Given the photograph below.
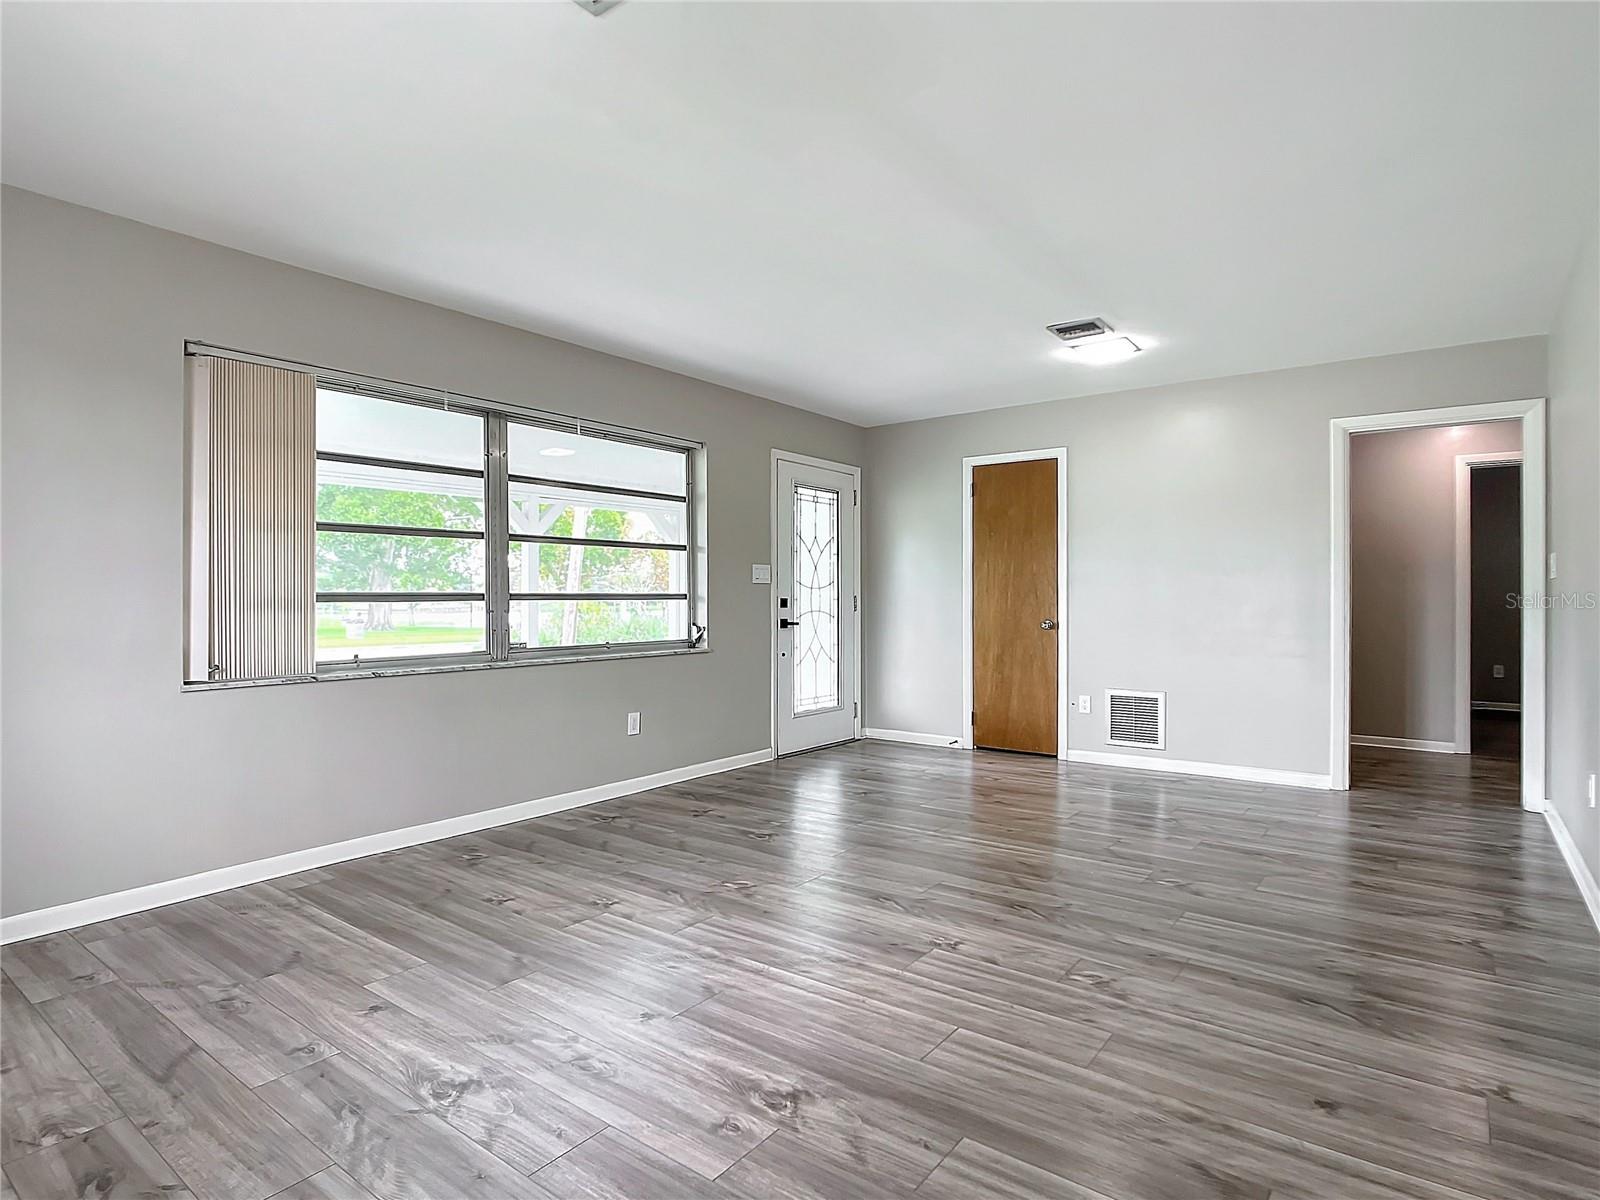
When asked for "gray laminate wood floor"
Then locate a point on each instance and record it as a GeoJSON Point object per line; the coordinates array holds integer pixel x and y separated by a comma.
{"type": "Point", "coordinates": [873, 971]}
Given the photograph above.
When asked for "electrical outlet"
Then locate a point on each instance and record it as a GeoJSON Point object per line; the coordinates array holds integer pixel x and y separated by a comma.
{"type": "Point", "coordinates": [1499, 671]}
{"type": "Point", "coordinates": [1591, 789]}
{"type": "Point", "coordinates": [633, 724]}
{"type": "Point", "coordinates": [1083, 704]}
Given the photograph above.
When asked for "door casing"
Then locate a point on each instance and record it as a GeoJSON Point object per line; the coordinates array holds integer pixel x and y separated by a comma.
{"type": "Point", "coordinates": [1531, 413]}
{"type": "Point", "coordinates": [772, 589]}
{"type": "Point", "coordinates": [1063, 707]}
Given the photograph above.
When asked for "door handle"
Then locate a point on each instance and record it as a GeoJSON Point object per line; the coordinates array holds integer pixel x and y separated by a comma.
{"type": "Point", "coordinates": [785, 623]}
{"type": "Point", "coordinates": [1047, 623]}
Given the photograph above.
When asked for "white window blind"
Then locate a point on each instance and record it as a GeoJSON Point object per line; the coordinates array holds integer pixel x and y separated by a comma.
{"type": "Point", "coordinates": [252, 497]}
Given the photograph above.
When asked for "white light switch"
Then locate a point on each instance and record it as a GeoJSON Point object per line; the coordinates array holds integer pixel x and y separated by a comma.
{"type": "Point", "coordinates": [760, 573]}
{"type": "Point", "coordinates": [1083, 704]}
{"type": "Point", "coordinates": [1591, 790]}
{"type": "Point", "coordinates": [1552, 564]}
{"type": "Point", "coordinates": [633, 724]}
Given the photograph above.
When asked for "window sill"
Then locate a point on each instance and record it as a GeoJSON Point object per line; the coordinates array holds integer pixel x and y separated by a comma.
{"type": "Point", "coordinates": [440, 669]}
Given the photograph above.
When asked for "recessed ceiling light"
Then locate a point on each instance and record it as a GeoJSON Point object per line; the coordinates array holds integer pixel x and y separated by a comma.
{"type": "Point", "coordinates": [557, 452]}
{"type": "Point", "coordinates": [1100, 351]}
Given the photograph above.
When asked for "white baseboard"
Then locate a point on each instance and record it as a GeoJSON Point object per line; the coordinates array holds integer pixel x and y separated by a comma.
{"type": "Point", "coordinates": [1392, 743]}
{"type": "Point", "coordinates": [154, 895]}
{"type": "Point", "coordinates": [1575, 864]}
{"type": "Point", "coordinates": [1496, 706]}
{"type": "Point", "coordinates": [912, 739]}
{"type": "Point", "coordinates": [1178, 766]}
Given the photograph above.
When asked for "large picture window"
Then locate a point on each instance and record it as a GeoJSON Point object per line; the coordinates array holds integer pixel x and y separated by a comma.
{"type": "Point", "coordinates": [443, 533]}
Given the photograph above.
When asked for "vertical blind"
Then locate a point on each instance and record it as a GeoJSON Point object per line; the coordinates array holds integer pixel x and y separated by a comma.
{"type": "Point", "coordinates": [252, 505]}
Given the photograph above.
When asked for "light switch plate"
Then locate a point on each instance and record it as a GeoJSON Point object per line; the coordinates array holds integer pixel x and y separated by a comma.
{"type": "Point", "coordinates": [633, 724]}
{"type": "Point", "coordinates": [1499, 671]}
{"type": "Point", "coordinates": [760, 573]}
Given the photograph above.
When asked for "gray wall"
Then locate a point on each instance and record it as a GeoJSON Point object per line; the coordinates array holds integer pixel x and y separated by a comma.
{"type": "Point", "coordinates": [1574, 681]}
{"type": "Point", "coordinates": [1403, 576]}
{"type": "Point", "coordinates": [112, 776]}
{"type": "Point", "coordinates": [1496, 631]}
{"type": "Point", "coordinates": [1198, 533]}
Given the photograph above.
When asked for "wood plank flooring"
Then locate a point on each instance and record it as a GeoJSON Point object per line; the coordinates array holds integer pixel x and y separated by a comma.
{"type": "Point", "coordinates": [871, 971]}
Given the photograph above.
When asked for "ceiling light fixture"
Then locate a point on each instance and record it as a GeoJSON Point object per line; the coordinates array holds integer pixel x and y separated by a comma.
{"type": "Point", "coordinates": [557, 452]}
{"type": "Point", "coordinates": [1100, 351]}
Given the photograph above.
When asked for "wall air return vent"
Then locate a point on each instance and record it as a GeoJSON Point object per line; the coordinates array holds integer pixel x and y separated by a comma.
{"type": "Point", "coordinates": [1072, 331]}
{"type": "Point", "coordinates": [1136, 718]}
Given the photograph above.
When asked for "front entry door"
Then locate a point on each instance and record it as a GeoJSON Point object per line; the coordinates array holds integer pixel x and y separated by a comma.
{"type": "Point", "coordinates": [814, 579]}
{"type": "Point", "coordinates": [1014, 612]}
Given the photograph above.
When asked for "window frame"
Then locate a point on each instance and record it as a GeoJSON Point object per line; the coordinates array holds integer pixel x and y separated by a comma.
{"type": "Point", "coordinates": [689, 547]}
{"type": "Point", "coordinates": [497, 597]}
{"type": "Point", "coordinates": [419, 466]}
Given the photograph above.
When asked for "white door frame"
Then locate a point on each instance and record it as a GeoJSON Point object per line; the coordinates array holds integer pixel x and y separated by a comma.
{"type": "Point", "coordinates": [1059, 453]}
{"type": "Point", "coordinates": [1464, 465]}
{"type": "Point", "coordinates": [772, 588]}
{"type": "Point", "coordinates": [1532, 415]}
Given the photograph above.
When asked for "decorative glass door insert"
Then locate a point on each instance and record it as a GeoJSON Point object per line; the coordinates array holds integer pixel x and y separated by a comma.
{"type": "Point", "coordinates": [816, 598]}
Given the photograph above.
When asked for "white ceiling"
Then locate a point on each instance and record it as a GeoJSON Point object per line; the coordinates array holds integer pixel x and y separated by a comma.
{"type": "Point", "coordinates": [867, 210]}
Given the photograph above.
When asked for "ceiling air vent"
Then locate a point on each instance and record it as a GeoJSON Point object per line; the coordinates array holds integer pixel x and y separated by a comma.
{"type": "Point", "coordinates": [1136, 718]}
{"type": "Point", "coordinates": [1072, 331]}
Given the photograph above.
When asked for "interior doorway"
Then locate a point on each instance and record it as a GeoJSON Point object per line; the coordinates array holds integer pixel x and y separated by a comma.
{"type": "Point", "coordinates": [1396, 582]}
{"type": "Point", "coordinates": [1014, 588]}
{"type": "Point", "coordinates": [1488, 548]}
{"type": "Point", "coordinates": [1436, 627]}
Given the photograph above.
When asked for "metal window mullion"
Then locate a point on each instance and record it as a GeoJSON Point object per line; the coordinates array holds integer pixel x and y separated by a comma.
{"type": "Point", "coordinates": [398, 464]}
{"type": "Point", "coordinates": [550, 539]}
{"type": "Point", "coordinates": [398, 530]}
{"type": "Point", "coordinates": [497, 537]}
{"type": "Point", "coordinates": [598, 489]}
{"type": "Point", "coordinates": [599, 595]}
{"type": "Point", "coordinates": [395, 597]}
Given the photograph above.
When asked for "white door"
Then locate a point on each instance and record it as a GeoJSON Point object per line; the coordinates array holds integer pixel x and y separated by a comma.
{"type": "Point", "coordinates": [814, 580]}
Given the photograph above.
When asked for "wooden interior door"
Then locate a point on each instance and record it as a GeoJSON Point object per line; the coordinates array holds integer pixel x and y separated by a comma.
{"type": "Point", "coordinates": [1015, 618]}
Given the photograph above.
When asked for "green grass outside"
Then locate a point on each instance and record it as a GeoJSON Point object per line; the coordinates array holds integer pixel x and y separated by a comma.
{"type": "Point", "coordinates": [332, 633]}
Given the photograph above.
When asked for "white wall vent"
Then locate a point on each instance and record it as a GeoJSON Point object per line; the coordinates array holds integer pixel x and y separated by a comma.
{"type": "Point", "coordinates": [1136, 718]}
{"type": "Point", "coordinates": [1072, 331]}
